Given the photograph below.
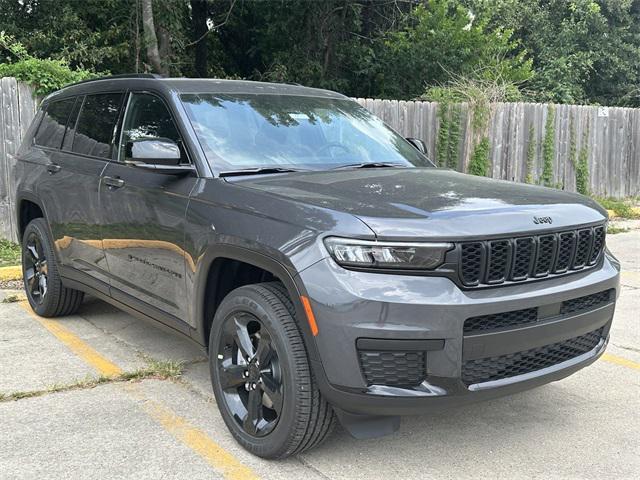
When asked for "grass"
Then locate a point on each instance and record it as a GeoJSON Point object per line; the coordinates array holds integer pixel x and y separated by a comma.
{"type": "Point", "coordinates": [10, 253]}
{"type": "Point", "coordinates": [160, 370]}
{"type": "Point", "coordinates": [12, 299]}
{"type": "Point", "coordinates": [612, 230]}
{"type": "Point", "coordinates": [624, 209]}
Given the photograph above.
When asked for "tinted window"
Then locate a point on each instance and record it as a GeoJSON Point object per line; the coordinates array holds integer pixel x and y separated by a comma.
{"type": "Point", "coordinates": [96, 124]}
{"type": "Point", "coordinates": [148, 118]}
{"type": "Point", "coordinates": [51, 130]}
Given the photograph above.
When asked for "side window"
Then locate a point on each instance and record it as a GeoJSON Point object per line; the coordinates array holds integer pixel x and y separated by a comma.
{"type": "Point", "coordinates": [51, 130]}
{"type": "Point", "coordinates": [96, 124]}
{"type": "Point", "coordinates": [67, 143]}
{"type": "Point", "coordinates": [148, 118]}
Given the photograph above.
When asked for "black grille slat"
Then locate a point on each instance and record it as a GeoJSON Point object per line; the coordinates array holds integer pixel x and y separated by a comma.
{"type": "Point", "coordinates": [598, 244]}
{"type": "Point", "coordinates": [522, 258]}
{"type": "Point", "coordinates": [397, 369]}
{"type": "Point", "coordinates": [495, 321]}
{"type": "Point", "coordinates": [583, 248]}
{"type": "Point", "coordinates": [586, 302]}
{"type": "Point", "coordinates": [471, 268]}
{"type": "Point", "coordinates": [498, 261]}
{"type": "Point", "coordinates": [545, 254]}
{"type": "Point", "coordinates": [566, 249]}
{"type": "Point", "coordinates": [494, 262]}
{"type": "Point", "coordinates": [527, 361]}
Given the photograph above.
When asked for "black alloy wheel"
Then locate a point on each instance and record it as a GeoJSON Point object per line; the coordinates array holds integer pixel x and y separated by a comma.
{"type": "Point", "coordinates": [260, 373]}
{"type": "Point", "coordinates": [43, 285]}
{"type": "Point", "coordinates": [250, 374]}
{"type": "Point", "coordinates": [35, 269]}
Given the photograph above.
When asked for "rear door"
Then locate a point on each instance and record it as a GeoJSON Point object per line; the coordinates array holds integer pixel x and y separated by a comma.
{"type": "Point", "coordinates": [144, 216]}
{"type": "Point", "coordinates": [70, 197]}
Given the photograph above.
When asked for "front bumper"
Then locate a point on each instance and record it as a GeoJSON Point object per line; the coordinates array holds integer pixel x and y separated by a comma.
{"type": "Point", "coordinates": [349, 306]}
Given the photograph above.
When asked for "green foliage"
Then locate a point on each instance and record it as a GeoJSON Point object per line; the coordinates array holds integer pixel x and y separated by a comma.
{"type": "Point", "coordinates": [548, 148]}
{"type": "Point", "coordinates": [479, 163]}
{"type": "Point", "coordinates": [583, 51]}
{"type": "Point", "coordinates": [10, 253]}
{"type": "Point", "coordinates": [449, 135]}
{"type": "Point", "coordinates": [531, 156]}
{"type": "Point", "coordinates": [578, 51]}
{"type": "Point", "coordinates": [582, 165]}
{"type": "Point", "coordinates": [45, 75]}
{"type": "Point", "coordinates": [623, 209]}
{"type": "Point", "coordinates": [439, 39]}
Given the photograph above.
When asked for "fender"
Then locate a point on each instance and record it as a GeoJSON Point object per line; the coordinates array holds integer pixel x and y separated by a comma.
{"type": "Point", "coordinates": [31, 197]}
{"type": "Point", "coordinates": [264, 262]}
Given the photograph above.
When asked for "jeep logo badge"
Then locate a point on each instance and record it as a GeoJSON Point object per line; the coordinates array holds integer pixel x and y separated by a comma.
{"type": "Point", "coordinates": [538, 220]}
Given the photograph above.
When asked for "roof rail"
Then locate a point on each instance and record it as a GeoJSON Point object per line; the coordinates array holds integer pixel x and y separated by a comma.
{"type": "Point", "coordinates": [115, 77]}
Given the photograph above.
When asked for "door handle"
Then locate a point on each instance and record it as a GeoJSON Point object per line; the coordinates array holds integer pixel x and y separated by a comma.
{"type": "Point", "coordinates": [113, 183]}
{"type": "Point", "coordinates": [53, 168]}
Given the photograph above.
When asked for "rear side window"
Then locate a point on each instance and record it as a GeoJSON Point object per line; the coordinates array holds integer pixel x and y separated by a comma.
{"type": "Point", "coordinates": [96, 124]}
{"type": "Point", "coordinates": [51, 130]}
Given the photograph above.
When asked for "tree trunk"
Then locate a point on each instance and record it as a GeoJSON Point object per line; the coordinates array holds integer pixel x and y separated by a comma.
{"type": "Point", "coordinates": [199, 25]}
{"type": "Point", "coordinates": [150, 38]}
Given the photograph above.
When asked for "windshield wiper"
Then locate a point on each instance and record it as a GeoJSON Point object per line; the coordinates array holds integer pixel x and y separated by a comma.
{"type": "Point", "coordinates": [370, 165]}
{"type": "Point", "coordinates": [260, 170]}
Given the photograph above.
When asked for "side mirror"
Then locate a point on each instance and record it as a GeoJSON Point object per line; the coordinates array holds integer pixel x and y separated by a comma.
{"type": "Point", "coordinates": [419, 144]}
{"type": "Point", "coordinates": [159, 155]}
{"type": "Point", "coordinates": [159, 151]}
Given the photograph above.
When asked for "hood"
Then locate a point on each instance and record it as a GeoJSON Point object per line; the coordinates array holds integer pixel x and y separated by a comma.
{"type": "Point", "coordinates": [433, 203]}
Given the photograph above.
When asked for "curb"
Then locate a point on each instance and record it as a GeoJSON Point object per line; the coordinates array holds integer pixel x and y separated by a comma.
{"type": "Point", "coordinates": [13, 272]}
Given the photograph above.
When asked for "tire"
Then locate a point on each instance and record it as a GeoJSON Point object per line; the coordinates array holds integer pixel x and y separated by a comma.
{"type": "Point", "coordinates": [305, 419]}
{"type": "Point", "coordinates": [46, 294]}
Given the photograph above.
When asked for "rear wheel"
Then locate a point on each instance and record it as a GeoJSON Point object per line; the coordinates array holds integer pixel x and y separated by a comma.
{"type": "Point", "coordinates": [261, 376]}
{"type": "Point", "coordinates": [45, 292]}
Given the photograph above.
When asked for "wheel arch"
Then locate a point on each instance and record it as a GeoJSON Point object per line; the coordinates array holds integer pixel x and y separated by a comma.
{"type": "Point", "coordinates": [206, 274]}
{"type": "Point", "coordinates": [28, 207]}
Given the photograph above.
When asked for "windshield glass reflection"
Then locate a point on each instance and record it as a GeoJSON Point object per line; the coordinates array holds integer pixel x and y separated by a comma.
{"type": "Point", "coordinates": [256, 131]}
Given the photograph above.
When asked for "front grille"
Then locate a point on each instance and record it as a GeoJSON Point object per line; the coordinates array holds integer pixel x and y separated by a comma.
{"type": "Point", "coordinates": [397, 369]}
{"type": "Point", "coordinates": [586, 303]}
{"type": "Point", "coordinates": [494, 262]}
{"type": "Point", "coordinates": [527, 361]}
{"type": "Point", "coordinates": [496, 321]}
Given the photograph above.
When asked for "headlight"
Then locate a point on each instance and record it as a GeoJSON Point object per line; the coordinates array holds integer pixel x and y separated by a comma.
{"type": "Point", "coordinates": [391, 255]}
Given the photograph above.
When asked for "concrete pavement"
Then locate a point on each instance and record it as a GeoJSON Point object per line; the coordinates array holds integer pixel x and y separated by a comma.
{"type": "Point", "coordinates": [586, 426]}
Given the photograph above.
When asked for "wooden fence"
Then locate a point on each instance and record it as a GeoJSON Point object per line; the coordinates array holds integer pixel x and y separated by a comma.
{"type": "Point", "coordinates": [17, 109]}
{"type": "Point", "coordinates": [610, 137]}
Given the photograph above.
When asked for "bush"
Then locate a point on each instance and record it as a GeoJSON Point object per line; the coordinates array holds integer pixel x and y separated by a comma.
{"type": "Point", "coordinates": [45, 75]}
{"type": "Point", "coordinates": [479, 163]}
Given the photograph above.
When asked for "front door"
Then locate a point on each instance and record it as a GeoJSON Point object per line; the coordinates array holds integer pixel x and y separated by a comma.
{"type": "Point", "coordinates": [144, 214]}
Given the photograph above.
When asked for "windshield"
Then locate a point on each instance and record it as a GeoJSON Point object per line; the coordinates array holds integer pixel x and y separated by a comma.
{"type": "Point", "coordinates": [264, 131]}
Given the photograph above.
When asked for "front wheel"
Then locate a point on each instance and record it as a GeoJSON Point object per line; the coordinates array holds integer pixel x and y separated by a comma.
{"type": "Point", "coordinates": [261, 376]}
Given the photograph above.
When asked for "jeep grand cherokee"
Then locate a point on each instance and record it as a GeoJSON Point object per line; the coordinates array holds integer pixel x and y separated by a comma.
{"type": "Point", "coordinates": [322, 261]}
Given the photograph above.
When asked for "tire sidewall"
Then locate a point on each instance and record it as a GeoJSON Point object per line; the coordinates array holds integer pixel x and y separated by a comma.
{"type": "Point", "coordinates": [275, 443]}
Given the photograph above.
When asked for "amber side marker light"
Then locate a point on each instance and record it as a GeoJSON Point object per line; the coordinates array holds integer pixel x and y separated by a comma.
{"type": "Point", "coordinates": [310, 316]}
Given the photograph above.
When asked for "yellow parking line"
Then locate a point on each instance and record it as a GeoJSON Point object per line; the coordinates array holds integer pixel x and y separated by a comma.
{"type": "Point", "coordinates": [77, 346]}
{"type": "Point", "coordinates": [197, 440]}
{"type": "Point", "coordinates": [178, 427]}
{"type": "Point", "coordinates": [607, 357]}
{"type": "Point", "coordinates": [630, 273]}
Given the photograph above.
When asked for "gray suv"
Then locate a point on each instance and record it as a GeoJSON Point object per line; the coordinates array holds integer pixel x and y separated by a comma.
{"type": "Point", "coordinates": [322, 261]}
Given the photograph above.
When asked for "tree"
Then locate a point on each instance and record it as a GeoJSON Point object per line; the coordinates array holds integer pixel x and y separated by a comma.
{"type": "Point", "coordinates": [440, 39]}
{"type": "Point", "coordinates": [150, 38]}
